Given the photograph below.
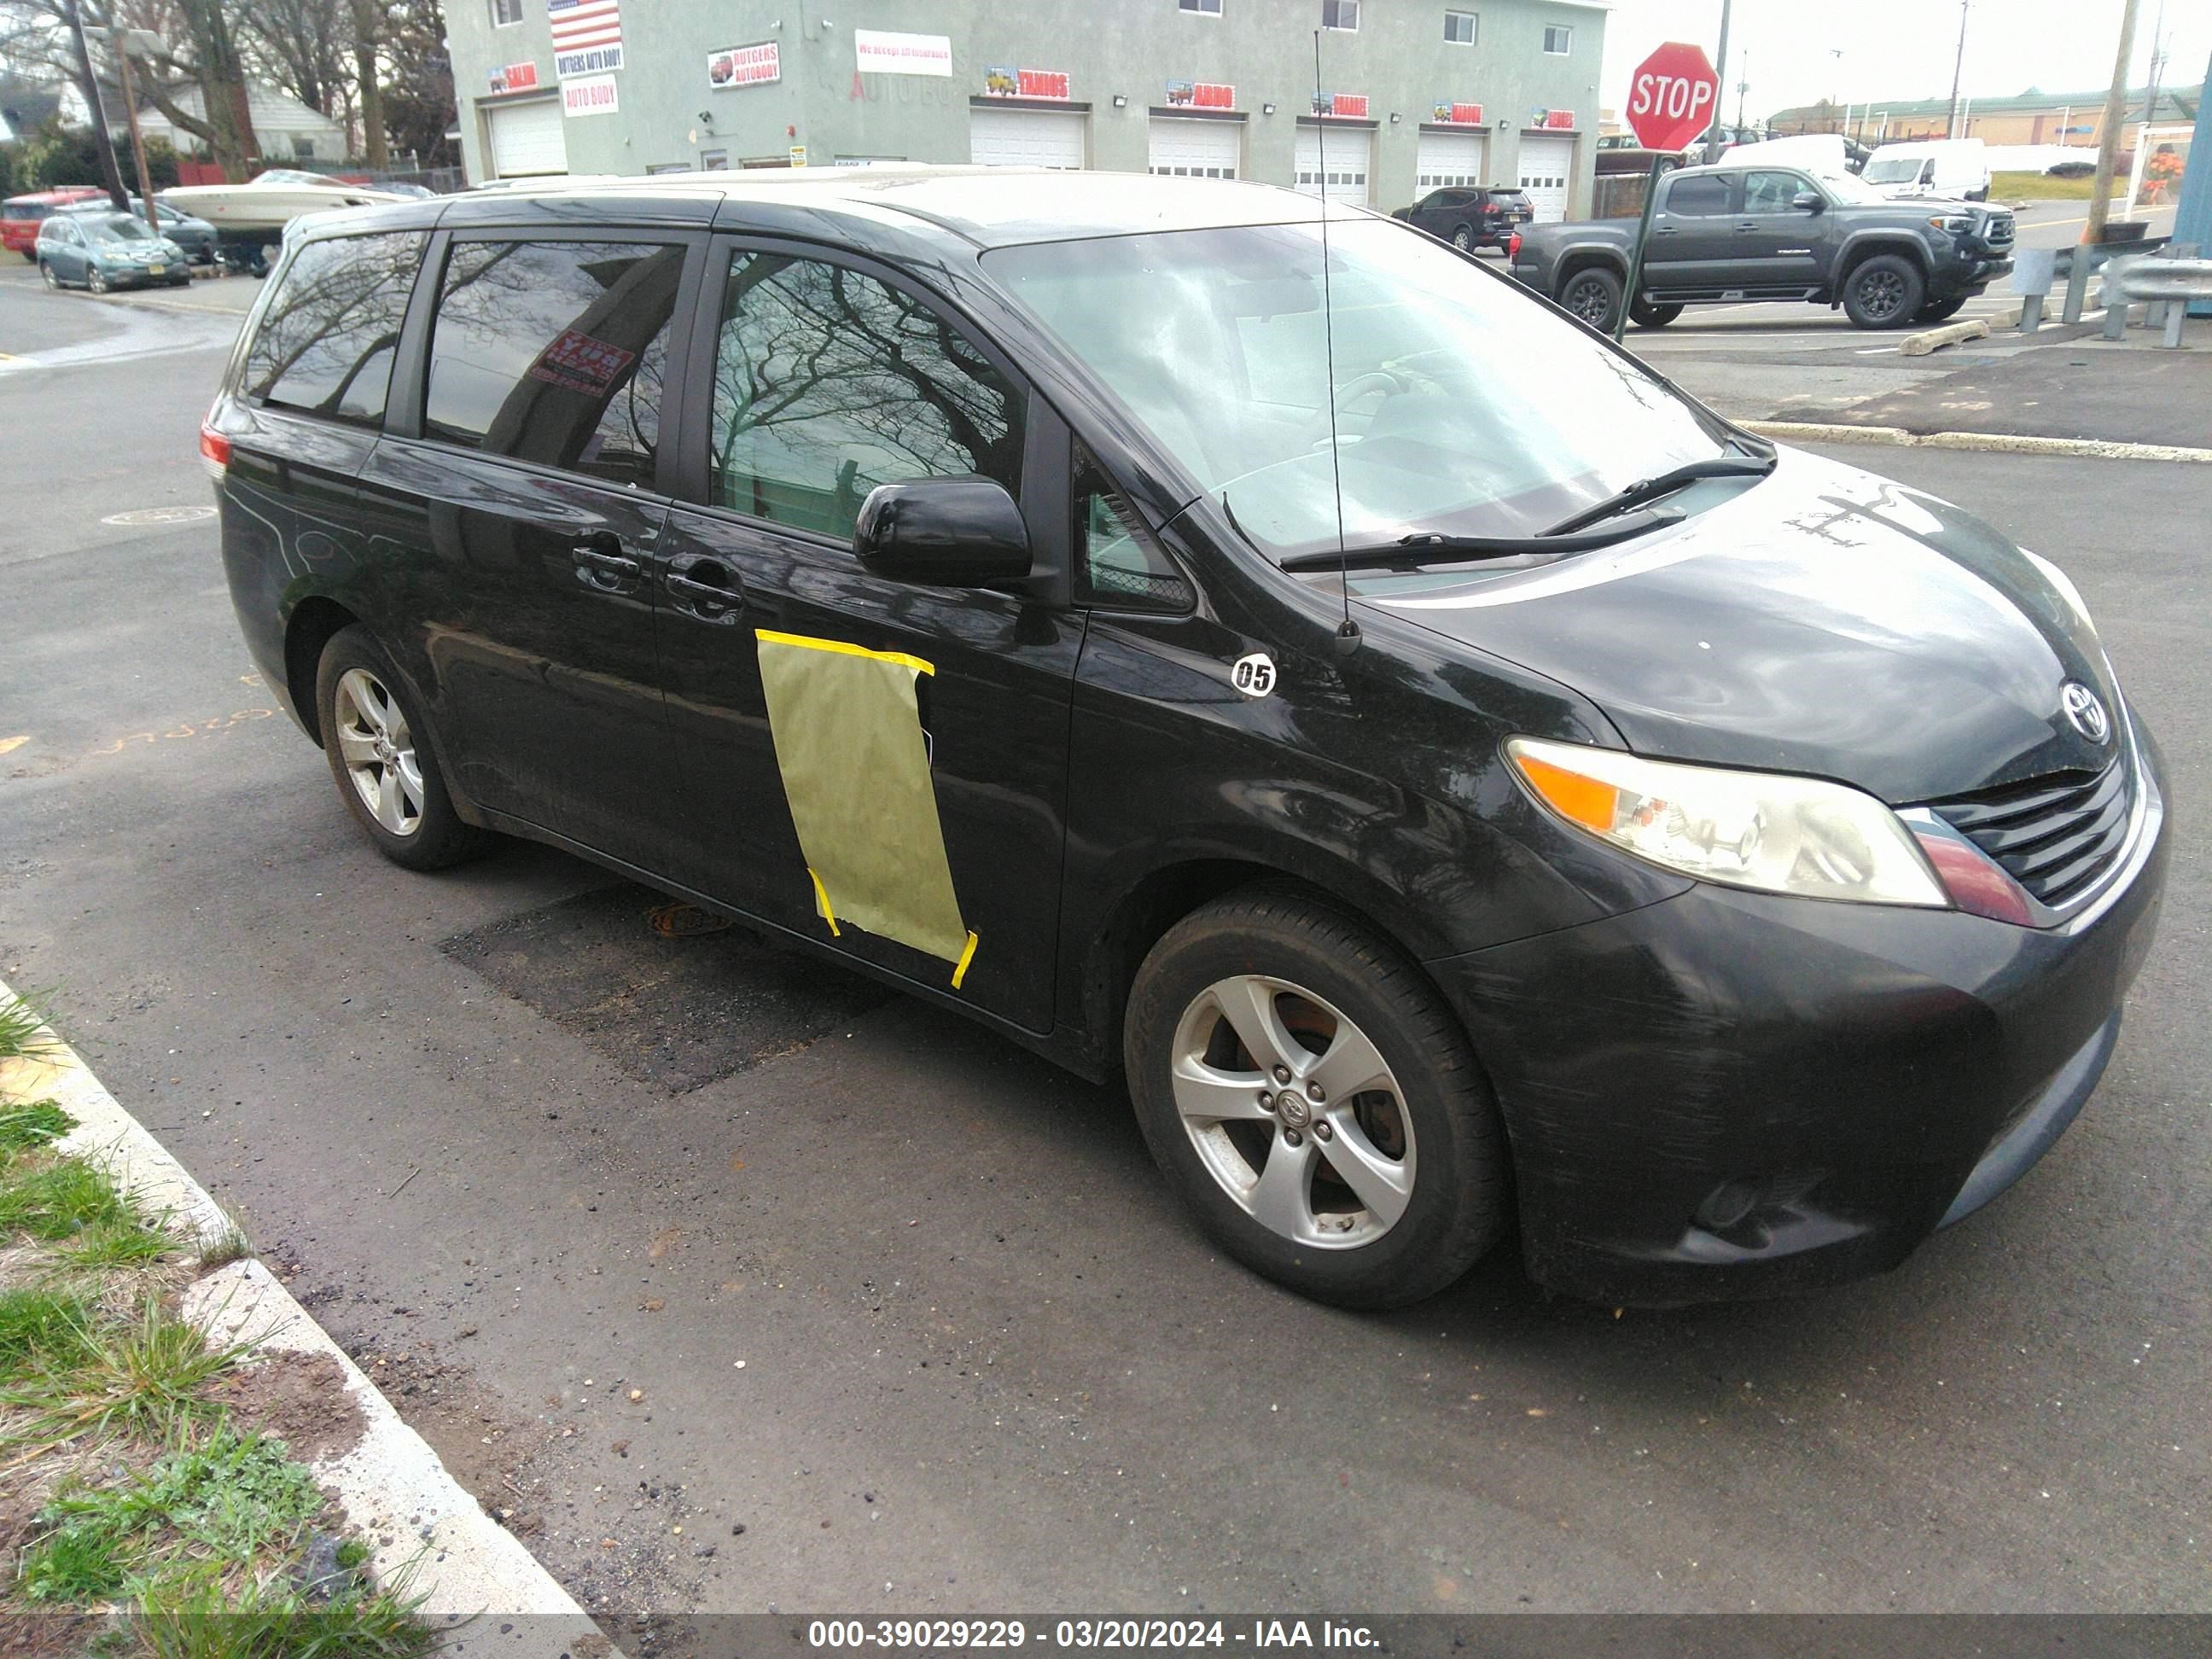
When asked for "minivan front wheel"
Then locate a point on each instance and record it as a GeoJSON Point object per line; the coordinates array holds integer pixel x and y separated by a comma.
{"type": "Point", "coordinates": [1312, 1101]}
{"type": "Point", "coordinates": [381, 759]}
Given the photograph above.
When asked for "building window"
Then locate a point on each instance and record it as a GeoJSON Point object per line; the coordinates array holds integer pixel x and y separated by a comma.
{"type": "Point", "coordinates": [1558, 41]}
{"type": "Point", "coordinates": [1206, 8]}
{"type": "Point", "coordinates": [1339, 13]}
{"type": "Point", "coordinates": [1459, 28]}
{"type": "Point", "coordinates": [713, 161]}
{"type": "Point", "coordinates": [505, 13]}
{"type": "Point", "coordinates": [303, 148]}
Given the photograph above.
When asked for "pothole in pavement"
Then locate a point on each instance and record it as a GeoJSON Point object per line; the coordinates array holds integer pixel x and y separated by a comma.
{"type": "Point", "coordinates": [680, 1012]}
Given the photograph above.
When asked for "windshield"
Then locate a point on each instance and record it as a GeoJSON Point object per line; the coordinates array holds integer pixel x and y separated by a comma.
{"type": "Point", "coordinates": [1892, 170]}
{"type": "Point", "coordinates": [121, 229]}
{"type": "Point", "coordinates": [1463, 406]}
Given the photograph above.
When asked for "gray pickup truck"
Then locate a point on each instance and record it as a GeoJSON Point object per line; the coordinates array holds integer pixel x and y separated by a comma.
{"type": "Point", "coordinates": [1728, 234]}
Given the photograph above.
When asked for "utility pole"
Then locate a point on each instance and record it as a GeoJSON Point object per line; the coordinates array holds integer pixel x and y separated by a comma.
{"type": "Point", "coordinates": [2157, 62]}
{"type": "Point", "coordinates": [1720, 71]}
{"type": "Point", "coordinates": [90, 82]}
{"type": "Point", "coordinates": [1742, 86]}
{"type": "Point", "coordinates": [127, 40]}
{"type": "Point", "coordinates": [1958, 65]}
{"type": "Point", "coordinates": [2116, 117]}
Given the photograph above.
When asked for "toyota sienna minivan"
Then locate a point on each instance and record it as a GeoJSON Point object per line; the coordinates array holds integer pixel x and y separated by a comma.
{"type": "Point", "coordinates": [1457, 780]}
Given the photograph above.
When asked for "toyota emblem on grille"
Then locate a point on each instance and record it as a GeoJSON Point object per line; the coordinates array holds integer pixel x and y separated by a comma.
{"type": "Point", "coordinates": [2085, 712]}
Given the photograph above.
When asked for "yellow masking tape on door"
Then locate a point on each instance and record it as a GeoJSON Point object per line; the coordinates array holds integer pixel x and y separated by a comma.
{"type": "Point", "coordinates": [848, 741]}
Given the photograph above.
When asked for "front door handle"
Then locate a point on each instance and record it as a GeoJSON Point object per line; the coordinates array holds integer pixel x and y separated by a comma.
{"type": "Point", "coordinates": [708, 593]}
{"type": "Point", "coordinates": [614, 564]}
{"type": "Point", "coordinates": [1748, 224]}
{"type": "Point", "coordinates": [716, 601]}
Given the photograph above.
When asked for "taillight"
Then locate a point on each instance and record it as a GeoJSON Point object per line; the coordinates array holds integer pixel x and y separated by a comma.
{"type": "Point", "coordinates": [214, 453]}
{"type": "Point", "coordinates": [1513, 245]}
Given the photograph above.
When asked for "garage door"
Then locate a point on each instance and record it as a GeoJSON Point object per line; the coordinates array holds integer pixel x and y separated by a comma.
{"type": "Point", "coordinates": [1025, 138]}
{"type": "Point", "coordinates": [1349, 152]}
{"type": "Point", "coordinates": [526, 139]}
{"type": "Point", "coordinates": [1547, 161]}
{"type": "Point", "coordinates": [1197, 149]}
{"type": "Point", "coordinates": [1451, 158]}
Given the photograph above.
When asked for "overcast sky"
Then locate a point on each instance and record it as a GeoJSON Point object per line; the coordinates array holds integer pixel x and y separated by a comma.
{"type": "Point", "coordinates": [1901, 49]}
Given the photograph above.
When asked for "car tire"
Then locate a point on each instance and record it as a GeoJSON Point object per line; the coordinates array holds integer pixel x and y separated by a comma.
{"type": "Point", "coordinates": [1325, 995]}
{"type": "Point", "coordinates": [377, 743]}
{"type": "Point", "coordinates": [1937, 310]}
{"type": "Point", "coordinates": [95, 279]}
{"type": "Point", "coordinates": [1644, 314]}
{"type": "Point", "coordinates": [1885, 291]}
{"type": "Point", "coordinates": [1593, 294]}
{"type": "Point", "coordinates": [1463, 240]}
{"type": "Point", "coordinates": [49, 275]}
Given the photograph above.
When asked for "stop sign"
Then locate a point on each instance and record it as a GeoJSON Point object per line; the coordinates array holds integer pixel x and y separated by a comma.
{"type": "Point", "coordinates": [1672, 97]}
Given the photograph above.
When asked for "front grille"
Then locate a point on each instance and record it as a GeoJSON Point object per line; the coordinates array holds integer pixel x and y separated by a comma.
{"type": "Point", "coordinates": [1999, 234]}
{"type": "Point", "coordinates": [2057, 836]}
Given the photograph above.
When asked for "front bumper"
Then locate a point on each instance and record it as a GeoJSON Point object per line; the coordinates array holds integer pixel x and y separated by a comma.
{"type": "Point", "coordinates": [1732, 1094]}
{"type": "Point", "coordinates": [1969, 275]}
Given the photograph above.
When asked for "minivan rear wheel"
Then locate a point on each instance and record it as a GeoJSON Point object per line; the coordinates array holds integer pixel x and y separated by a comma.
{"type": "Point", "coordinates": [1312, 1101]}
{"type": "Point", "coordinates": [378, 747]}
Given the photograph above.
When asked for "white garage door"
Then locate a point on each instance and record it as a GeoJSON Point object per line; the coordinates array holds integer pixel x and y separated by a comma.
{"type": "Point", "coordinates": [1348, 152]}
{"type": "Point", "coordinates": [1547, 161]}
{"type": "Point", "coordinates": [1197, 149]}
{"type": "Point", "coordinates": [526, 139]}
{"type": "Point", "coordinates": [1025, 138]}
{"type": "Point", "coordinates": [1451, 158]}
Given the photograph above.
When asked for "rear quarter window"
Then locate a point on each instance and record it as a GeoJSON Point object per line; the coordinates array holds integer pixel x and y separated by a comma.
{"type": "Point", "coordinates": [330, 333]}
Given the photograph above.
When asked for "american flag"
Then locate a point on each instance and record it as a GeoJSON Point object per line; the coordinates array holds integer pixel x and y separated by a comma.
{"type": "Point", "coordinates": [578, 24]}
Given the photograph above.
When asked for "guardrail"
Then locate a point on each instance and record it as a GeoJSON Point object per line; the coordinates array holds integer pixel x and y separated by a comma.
{"type": "Point", "coordinates": [2169, 281]}
{"type": "Point", "coordinates": [2037, 270]}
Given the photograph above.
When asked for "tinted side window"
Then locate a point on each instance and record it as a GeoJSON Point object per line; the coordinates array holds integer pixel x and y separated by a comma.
{"type": "Point", "coordinates": [1706, 194]}
{"type": "Point", "coordinates": [1772, 192]}
{"type": "Point", "coordinates": [328, 339]}
{"type": "Point", "coordinates": [554, 352]}
{"type": "Point", "coordinates": [828, 382]}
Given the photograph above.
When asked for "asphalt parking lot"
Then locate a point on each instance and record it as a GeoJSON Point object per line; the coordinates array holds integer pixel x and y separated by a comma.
{"type": "Point", "coordinates": [733, 1285]}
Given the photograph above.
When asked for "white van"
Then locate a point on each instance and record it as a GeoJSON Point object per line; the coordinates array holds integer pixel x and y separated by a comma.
{"type": "Point", "coordinates": [1957, 169]}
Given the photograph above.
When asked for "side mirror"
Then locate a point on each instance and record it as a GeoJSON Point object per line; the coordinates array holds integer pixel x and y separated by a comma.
{"type": "Point", "coordinates": [1808, 201]}
{"type": "Point", "coordinates": [951, 532]}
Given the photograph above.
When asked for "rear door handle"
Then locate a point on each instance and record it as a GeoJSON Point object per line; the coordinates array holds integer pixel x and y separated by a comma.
{"type": "Point", "coordinates": [717, 601]}
{"type": "Point", "coordinates": [709, 592]}
{"type": "Point", "coordinates": [1748, 224]}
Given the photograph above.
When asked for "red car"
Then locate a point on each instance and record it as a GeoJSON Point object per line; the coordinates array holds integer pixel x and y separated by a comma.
{"type": "Point", "coordinates": [21, 216]}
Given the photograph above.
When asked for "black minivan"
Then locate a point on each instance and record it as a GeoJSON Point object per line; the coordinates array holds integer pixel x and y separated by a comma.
{"type": "Point", "coordinates": [1456, 778]}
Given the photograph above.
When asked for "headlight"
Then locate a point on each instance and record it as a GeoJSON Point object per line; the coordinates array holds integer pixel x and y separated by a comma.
{"type": "Point", "coordinates": [1957, 224]}
{"type": "Point", "coordinates": [1762, 829]}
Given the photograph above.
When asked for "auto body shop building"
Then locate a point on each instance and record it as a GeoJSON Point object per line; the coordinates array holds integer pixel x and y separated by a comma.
{"type": "Point", "coordinates": [1411, 94]}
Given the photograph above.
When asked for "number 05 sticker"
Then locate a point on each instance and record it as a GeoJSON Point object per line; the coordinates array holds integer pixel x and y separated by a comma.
{"type": "Point", "coordinates": [1254, 675]}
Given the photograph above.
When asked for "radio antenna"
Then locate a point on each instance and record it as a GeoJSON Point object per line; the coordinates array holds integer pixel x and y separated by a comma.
{"type": "Point", "coordinates": [1347, 632]}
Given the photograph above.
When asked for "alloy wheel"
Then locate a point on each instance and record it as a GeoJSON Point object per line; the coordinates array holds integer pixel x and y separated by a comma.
{"type": "Point", "coordinates": [96, 280]}
{"type": "Point", "coordinates": [1463, 240]}
{"type": "Point", "coordinates": [1881, 294]}
{"type": "Point", "coordinates": [1293, 1111]}
{"type": "Point", "coordinates": [378, 751]}
{"type": "Point", "coordinates": [1589, 300]}
{"type": "Point", "coordinates": [48, 274]}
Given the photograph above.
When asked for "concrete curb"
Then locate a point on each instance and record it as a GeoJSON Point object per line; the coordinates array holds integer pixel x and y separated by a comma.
{"type": "Point", "coordinates": [1935, 339]}
{"type": "Point", "coordinates": [1998, 443]}
{"type": "Point", "coordinates": [393, 1487]}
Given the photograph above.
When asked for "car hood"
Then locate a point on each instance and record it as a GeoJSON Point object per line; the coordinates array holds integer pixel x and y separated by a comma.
{"type": "Point", "coordinates": [1822, 621]}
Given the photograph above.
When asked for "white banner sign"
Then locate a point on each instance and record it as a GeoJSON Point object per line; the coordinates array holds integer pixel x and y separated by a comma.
{"type": "Point", "coordinates": [879, 52]}
{"type": "Point", "coordinates": [593, 60]}
{"type": "Point", "coordinates": [590, 94]}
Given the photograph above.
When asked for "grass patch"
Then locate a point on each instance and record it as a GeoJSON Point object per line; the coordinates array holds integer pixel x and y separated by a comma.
{"type": "Point", "coordinates": [41, 1329]}
{"type": "Point", "coordinates": [271, 1621]}
{"type": "Point", "coordinates": [2042, 187]}
{"type": "Point", "coordinates": [22, 1029]}
{"type": "Point", "coordinates": [22, 1129]}
{"type": "Point", "coordinates": [221, 1503]}
{"type": "Point", "coordinates": [57, 1199]}
{"type": "Point", "coordinates": [132, 1243]}
{"type": "Point", "coordinates": [143, 1381]}
{"type": "Point", "coordinates": [229, 1245]}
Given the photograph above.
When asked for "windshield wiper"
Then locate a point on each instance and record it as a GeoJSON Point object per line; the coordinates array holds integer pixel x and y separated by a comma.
{"type": "Point", "coordinates": [1411, 552]}
{"type": "Point", "coordinates": [1675, 478]}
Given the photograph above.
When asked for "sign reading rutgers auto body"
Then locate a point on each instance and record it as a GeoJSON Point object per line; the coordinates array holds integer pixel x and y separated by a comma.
{"type": "Point", "coordinates": [587, 36]}
{"type": "Point", "coordinates": [745, 66]}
